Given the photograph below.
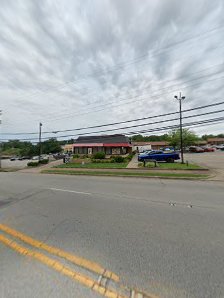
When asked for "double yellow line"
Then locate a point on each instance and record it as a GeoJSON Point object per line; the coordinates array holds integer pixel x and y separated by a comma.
{"type": "Point", "coordinates": [60, 267]}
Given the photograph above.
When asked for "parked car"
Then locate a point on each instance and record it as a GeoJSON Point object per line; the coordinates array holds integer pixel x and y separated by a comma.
{"type": "Point", "coordinates": [208, 149]}
{"type": "Point", "coordinates": [196, 149]}
{"type": "Point", "coordinates": [220, 146]}
{"type": "Point", "coordinates": [13, 158]}
{"type": "Point", "coordinates": [145, 152]}
{"type": "Point", "coordinates": [35, 158]}
{"type": "Point", "coordinates": [159, 156]}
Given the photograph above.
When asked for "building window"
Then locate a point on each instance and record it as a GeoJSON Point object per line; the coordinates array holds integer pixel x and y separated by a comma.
{"type": "Point", "coordinates": [116, 151]}
{"type": "Point", "coordinates": [108, 150]}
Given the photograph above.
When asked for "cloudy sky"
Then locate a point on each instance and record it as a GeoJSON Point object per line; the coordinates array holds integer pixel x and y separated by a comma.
{"type": "Point", "coordinates": [75, 63]}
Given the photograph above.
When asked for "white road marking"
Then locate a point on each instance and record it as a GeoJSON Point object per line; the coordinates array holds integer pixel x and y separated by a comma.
{"type": "Point", "coordinates": [71, 191]}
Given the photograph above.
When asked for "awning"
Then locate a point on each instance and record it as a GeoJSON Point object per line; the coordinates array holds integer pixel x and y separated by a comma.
{"type": "Point", "coordinates": [102, 145]}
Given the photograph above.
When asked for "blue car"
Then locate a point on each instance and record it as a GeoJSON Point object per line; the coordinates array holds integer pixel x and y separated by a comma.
{"type": "Point", "coordinates": [159, 156]}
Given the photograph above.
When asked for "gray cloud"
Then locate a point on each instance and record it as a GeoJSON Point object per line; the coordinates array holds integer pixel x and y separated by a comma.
{"type": "Point", "coordinates": [78, 63]}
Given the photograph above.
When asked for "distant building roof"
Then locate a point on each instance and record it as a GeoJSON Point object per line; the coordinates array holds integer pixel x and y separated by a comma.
{"type": "Point", "coordinates": [159, 143]}
{"type": "Point", "coordinates": [103, 139]}
{"type": "Point", "coordinates": [215, 139]}
{"type": "Point", "coordinates": [140, 143]}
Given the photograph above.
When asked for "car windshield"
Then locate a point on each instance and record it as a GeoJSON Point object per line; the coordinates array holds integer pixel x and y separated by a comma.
{"type": "Point", "coordinates": [111, 148]}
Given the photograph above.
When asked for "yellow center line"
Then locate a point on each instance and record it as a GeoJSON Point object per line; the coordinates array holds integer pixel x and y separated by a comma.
{"type": "Point", "coordinates": [92, 266]}
{"type": "Point", "coordinates": [81, 278]}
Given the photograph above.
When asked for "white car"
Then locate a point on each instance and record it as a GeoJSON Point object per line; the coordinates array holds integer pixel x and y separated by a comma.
{"type": "Point", "coordinates": [35, 158]}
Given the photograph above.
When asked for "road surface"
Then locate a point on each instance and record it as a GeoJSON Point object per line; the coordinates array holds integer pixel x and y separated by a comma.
{"type": "Point", "coordinates": [163, 237]}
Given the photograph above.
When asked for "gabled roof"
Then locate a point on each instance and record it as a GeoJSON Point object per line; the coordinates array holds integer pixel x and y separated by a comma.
{"type": "Point", "coordinates": [105, 139]}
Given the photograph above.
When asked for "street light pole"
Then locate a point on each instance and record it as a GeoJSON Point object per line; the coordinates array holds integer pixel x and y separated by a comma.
{"type": "Point", "coordinates": [180, 98]}
{"type": "Point", "coordinates": [40, 145]}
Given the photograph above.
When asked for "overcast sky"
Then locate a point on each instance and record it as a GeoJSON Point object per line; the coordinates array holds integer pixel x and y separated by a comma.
{"type": "Point", "coordinates": [76, 63]}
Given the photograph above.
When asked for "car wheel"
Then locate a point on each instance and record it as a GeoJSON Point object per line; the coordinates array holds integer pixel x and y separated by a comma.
{"type": "Point", "coordinates": [170, 160]}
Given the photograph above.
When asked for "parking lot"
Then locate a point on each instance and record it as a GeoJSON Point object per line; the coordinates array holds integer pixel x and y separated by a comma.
{"type": "Point", "coordinates": [16, 164]}
{"type": "Point", "coordinates": [211, 160]}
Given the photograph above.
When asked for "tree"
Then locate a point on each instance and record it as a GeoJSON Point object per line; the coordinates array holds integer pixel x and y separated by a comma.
{"type": "Point", "coordinates": [152, 138]}
{"type": "Point", "coordinates": [189, 138]}
{"type": "Point", "coordinates": [51, 146]}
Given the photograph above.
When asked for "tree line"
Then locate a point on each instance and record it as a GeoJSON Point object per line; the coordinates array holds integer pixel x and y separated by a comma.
{"type": "Point", "coordinates": [21, 148]}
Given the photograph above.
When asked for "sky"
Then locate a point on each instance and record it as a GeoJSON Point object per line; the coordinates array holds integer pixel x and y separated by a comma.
{"type": "Point", "coordinates": [73, 64]}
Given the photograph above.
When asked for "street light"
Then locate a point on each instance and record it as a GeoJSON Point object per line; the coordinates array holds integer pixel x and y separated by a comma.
{"type": "Point", "coordinates": [180, 98]}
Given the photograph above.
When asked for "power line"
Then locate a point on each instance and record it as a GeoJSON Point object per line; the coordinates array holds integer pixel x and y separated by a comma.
{"type": "Point", "coordinates": [121, 122]}
{"type": "Point", "coordinates": [134, 126]}
{"type": "Point", "coordinates": [106, 105]}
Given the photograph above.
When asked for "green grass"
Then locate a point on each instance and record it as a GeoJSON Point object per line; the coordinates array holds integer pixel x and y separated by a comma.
{"type": "Point", "coordinates": [172, 166]}
{"type": "Point", "coordinates": [128, 174]}
{"type": "Point", "coordinates": [94, 165]}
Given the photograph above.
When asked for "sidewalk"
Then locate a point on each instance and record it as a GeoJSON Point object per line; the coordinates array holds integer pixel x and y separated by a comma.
{"type": "Point", "coordinates": [43, 167]}
{"type": "Point", "coordinates": [133, 164]}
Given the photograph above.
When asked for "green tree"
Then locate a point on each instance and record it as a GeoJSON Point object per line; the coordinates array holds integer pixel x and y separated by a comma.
{"type": "Point", "coordinates": [189, 138]}
{"type": "Point", "coordinates": [51, 146]}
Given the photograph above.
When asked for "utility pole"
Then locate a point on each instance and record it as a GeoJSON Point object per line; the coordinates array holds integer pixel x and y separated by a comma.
{"type": "Point", "coordinates": [0, 144]}
{"type": "Point", "coordinates": [180, 98]}
{"type": "Point", "coordinates": [40, 145]}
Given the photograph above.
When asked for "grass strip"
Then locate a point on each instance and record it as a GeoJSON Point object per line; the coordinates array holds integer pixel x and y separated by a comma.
{"type": "Point", "coordinates": [172, 166]}
{"type": "Point", "coordinates": [93, 165]}
{"type": "Point", "coordinates": [128, 174]}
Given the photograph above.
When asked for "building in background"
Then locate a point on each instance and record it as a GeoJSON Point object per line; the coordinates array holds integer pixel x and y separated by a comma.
{"type": "Point", "coordinates": [159, 145]}
{"type": "Point", "coordinates": [215, 141]}
{"type": "Point", "coordinates": [141, 146]}
{"type": "Point", "coordinates": [109, 144]}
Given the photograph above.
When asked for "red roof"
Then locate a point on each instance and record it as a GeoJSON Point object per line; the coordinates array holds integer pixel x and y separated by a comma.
{"type": "Point", "coordinates": [89, 145]}
{"type": "Point", "coordinates": [102, 145]}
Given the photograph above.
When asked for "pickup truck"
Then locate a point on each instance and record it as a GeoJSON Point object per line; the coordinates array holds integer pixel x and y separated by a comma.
{"type": "Point", "coordinates": [159, 156]}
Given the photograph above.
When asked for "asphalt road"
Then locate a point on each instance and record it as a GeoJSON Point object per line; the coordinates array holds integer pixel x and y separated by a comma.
{"type": "Point", "coordinates": [161, 236]}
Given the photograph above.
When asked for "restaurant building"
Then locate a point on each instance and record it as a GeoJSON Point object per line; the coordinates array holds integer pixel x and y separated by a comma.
{"type": "Point", "coordinates": [117, 144]}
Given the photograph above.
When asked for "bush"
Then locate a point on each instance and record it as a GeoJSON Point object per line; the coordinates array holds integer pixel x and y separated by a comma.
{"type": "Point", "coordinates": [32, 164]}
{"type": "Point", "coordinates": [43, 161]}
{"type": "Point", "coordinates": [119, 159]}
{"type": "Point", "coordinates": [75, 156]}
{"type": "Point", "coordinates": [99, 155]}
{"type": "Point", "coordinates": [130, 156]}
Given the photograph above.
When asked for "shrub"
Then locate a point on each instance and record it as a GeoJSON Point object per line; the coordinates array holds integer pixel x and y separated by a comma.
{"type": "Point", "coordinates": [32, 164]}
{"type": "Point", "coordinates": [119, 159]}
{"type": "Point", "coordinates": [75, 156]}
{"type": "Point", "coordinates": [43, 161]}
{"type": "Point", "coordinates": [99, 155]}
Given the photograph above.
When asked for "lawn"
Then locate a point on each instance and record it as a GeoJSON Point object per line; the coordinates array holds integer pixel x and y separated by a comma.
{"type": "Point", "coordinates": [172, 166]}
{"type": "Point", "coordinates": [128, 174]}
{"type": "Point", "coordinates": [94, 165]}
